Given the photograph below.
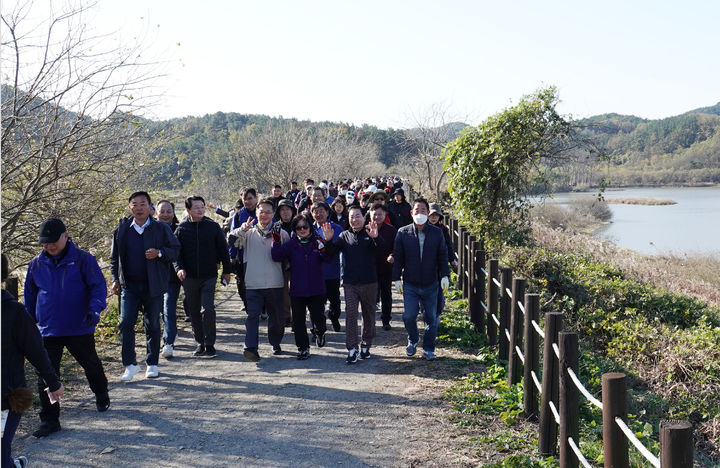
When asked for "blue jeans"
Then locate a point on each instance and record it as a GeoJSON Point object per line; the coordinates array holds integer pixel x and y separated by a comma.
{"type": "Point", "coordinates": [133, 296]}
{"type": "Point", "coordinates": [413, 296]}
{"type": "Point", "coordinates": [170, 313]}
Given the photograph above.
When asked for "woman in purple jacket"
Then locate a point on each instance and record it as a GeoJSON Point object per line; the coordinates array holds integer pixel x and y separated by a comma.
{"type": "Point", "coordinates": [305, 252]}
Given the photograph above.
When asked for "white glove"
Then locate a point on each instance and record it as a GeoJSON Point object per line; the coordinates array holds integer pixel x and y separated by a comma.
{"type": "Point", "coordinates": [399, 286]}
{"type": "Point", "coordinates": [444, 284]}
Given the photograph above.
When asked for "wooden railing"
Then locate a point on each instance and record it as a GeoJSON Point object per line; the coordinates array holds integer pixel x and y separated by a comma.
{"type": "Point", "coordinates": [509, 317]}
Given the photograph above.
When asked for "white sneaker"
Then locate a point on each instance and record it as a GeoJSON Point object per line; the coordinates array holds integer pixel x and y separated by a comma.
{"type": "Point", "coordinates": [130, 372]}
{"type": "Point", "coordinates": [167, 351]}
{"type": "Point", "coordinates": [151, 372]}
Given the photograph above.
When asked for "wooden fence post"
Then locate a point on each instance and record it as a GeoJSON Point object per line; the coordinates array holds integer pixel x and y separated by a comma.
{"type": "Point", "coordinates": [547, 439]}
{"type": "Point", "coordinates": [461, 261]}
{"type": "Point", "coordinates": [569, 397]}
{"type": "Point", "coordinates": [505, 283]}
{"type": "Point", "coordinates": [466, 263]}
{"type": "Point", "coordinates": [614, 401]}
{"type": "Point", "coordinates": [518, 291]}
{"type": "Point", "coordinates": [492, 301]}
{"type": "Point", "coordinates": [11, 286]}
{"type": "Point", "coordinates": [532, 357]}
{"type": "Point", "coordinates": [676, 444]}
{"type": "Point", "coordinates": [479, 286]}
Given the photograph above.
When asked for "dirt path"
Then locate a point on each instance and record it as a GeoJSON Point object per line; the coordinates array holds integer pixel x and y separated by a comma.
{"type": "Point", "coordinates": [227, 411]}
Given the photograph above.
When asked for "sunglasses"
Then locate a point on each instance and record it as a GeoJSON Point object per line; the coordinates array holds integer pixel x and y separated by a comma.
{"type": "Point", "coordinates": [301, 227]}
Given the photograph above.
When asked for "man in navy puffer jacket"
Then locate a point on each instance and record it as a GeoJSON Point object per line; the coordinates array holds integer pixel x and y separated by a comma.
{"type": "Point", "coordinates": [65, 292]}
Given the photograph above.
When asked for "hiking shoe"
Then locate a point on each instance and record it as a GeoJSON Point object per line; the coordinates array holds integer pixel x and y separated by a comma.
{"type": "Point", "coordinates": [303, 354]}
{"type": "Point", "coordinates": [210, 352]}
{"type": "Point", "coordinates": [199, 351]}
{"type": "Point", "coordinates": [46, 428]}
{"type": "Point", "coordinates": [411, 348]}
{"type": "Point", "coordinates": [320, 339]}
{"type": "Point", "coordinates": [167, 351]}
{"type": "Point", "coordinates": [365, 353]}
{"type": "Point", "coordinates": [386, 326]}
{"type": "Point", "coordinates": [130, 372]}
{"type": "Point", "coordinates": [353, 356]}
{"type": "Point", "coordinates": [251, 354]}
{"type": "Point", "coordinates": [335, 323]}
{"type": "Point", "coordinates": [20, 462]}
{"type": "Point", "coordinates": [277, 350]}
{"type": "Point", "coordinates": [102, 402]}
{"type": "Point", "coordinates": [429, 355]}
{"type": "Point", "coordinates": [151, 372]}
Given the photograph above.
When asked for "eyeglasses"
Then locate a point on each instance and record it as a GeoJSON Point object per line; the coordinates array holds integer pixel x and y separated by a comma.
{"type": "Point", "coordinates": [300, 228]}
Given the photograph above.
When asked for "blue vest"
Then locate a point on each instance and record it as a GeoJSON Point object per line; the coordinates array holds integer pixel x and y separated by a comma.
{"type": "Point", "coordinates": [135, 262]}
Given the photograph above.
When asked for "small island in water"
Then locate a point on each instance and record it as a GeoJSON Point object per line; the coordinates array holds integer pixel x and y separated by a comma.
{"type": "Point", "coordinates": [641, 201]}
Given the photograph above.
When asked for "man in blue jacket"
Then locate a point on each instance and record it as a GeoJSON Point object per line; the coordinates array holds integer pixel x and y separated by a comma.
{"type": "Point", "coordinates": [420, 258]}
{"type": "Point", "coordinates": [65, 292]}
{"type": "Point", "coordinates": [142, 250]}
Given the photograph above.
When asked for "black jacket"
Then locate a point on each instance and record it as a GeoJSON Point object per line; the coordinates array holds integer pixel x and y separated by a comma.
{"type": "Point", "coordinates": [400, 213]}
{"type": "Point", "coordinates": [156, 236]}
{"type": "Point", "coordinates": [21, 339]}
{"type": "Point", "coordinates": [359, 250]}
{"type": "Point", "coordinates": [202, 247]}
{"type": "Point", "coordinates": [434, 263]}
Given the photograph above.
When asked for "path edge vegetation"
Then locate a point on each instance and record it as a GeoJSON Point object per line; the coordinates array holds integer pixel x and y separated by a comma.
{"type": "Point", "coordinates": [667, 343]}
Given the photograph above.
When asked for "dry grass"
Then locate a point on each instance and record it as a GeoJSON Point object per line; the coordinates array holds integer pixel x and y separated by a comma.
{"type": "Point", "coordinates": [582, 215]}
{"type": "Point", "coordinates": [640, 201]}
{"type": "Point", "coordinates": [695, 276]}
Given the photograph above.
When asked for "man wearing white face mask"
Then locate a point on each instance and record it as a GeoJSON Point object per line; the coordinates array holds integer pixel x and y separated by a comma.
{"type": "Point", "coordinates": [420, 259]}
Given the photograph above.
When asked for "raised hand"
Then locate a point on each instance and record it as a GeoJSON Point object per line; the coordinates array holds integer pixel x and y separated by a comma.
{"type": "Point", "coordinates": [248, 224]}
{"type": "Point", "coordinates": [328, 231]}
{"type": "Point", "coordinates": [372, 229]}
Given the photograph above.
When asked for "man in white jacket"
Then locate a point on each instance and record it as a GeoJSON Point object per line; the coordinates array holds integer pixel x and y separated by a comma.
{"type": "Point", "coordinates": [263, 278]}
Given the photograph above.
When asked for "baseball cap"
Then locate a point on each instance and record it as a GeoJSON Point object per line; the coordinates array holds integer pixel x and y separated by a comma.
{"type": "Point", "coordinates": [50, 230]}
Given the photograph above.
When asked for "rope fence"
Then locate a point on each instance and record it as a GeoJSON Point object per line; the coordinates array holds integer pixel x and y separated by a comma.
{"type": "Point", "coordinates": [498, 303]}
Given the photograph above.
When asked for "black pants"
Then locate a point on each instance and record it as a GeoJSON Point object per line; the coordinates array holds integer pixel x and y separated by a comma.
{"type": "Point", "coordinates": [385, 293]}
{"type": "Point", "coordinates": [239, 271]}
{"type": "Point", "coordinates": [82, 348]}
{"type": "Point", "coordinates": [332, 294]}
{"type": "Point", "coordinates": [315, 304]}
{"type": "Point", "coordinates": [200, 293]}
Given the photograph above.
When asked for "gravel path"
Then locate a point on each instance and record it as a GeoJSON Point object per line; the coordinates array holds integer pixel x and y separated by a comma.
{"type": "Point", "coordinates": [227, 411]}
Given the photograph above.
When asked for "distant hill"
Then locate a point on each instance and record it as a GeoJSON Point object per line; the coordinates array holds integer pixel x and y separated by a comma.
{"type": "Point", "coordinates": [684, 149]}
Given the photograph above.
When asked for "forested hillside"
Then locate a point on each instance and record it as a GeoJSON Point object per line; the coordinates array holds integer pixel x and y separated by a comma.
{"type": "Point", "coordinates": [683, 149]}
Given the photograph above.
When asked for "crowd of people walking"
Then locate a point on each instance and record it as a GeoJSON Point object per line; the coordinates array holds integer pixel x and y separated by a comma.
{"type": "Point", "coordinates": [289, 253]}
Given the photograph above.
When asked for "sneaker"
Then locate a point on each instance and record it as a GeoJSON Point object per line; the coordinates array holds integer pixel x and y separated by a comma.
{"type": "Point", "coordinates": [335, 323]}
{"type": "Point", "coordinates": [251, 354]}
{"type": "Point", "coordinates": [277, 350]}
{"type": "Point", "coordinates": [130, 372]}
{"type": "Point", "coordinates": [199, 351]}
{"type": "Point", "coordinates": [320, 339]}
{"type": "Point", "coordinates": [210, 352]}
{"type": "Point", "coordinates": [365, 353]}
{"type": "Point", "coordinates": [151, 372]}
{"type": "Point", "coordinates": [102, 402]}
{"type": "Point", "coordinates": [429, 355]}
{"type": "Point", "coordinates": [20, 462]}
{"type": "Point", "coordinates": [167, 351]}
{"type": "Point", "coordinates": [386, 326]}
{"type": "Point", "coordinates": [411, 348]}
{"type": "Point", "coordinates": [46, 428]}
{"type": "Point", "coordinates": [353, 356]}
{"type": "Point", "coordinates": [303, 354]}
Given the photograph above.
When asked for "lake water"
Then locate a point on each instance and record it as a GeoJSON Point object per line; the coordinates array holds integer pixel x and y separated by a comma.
{"type": "Point", "coordinates": [690, 226]}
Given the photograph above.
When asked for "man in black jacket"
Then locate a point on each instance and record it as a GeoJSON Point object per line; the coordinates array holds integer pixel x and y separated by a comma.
{"type": "Point", "coordinates": [202, 248]}
{"type": "Point", "coordinates": [142, 249]}
{"type": "Point", "coordinates": [20, 339]}
{"type": "Point", "coordinates": [399, 209]}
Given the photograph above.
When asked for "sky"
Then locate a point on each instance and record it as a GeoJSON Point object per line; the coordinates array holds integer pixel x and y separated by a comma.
{"type": "Point", "coordinates": [388, 63]}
